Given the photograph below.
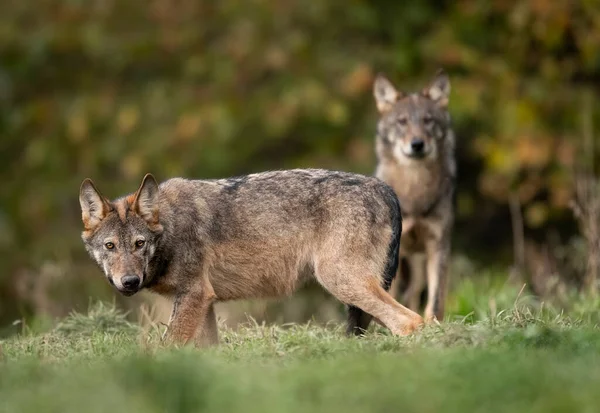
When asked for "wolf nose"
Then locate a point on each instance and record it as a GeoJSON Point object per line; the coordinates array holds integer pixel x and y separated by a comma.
{"type": "Point", "coordinates": [417, 145]}
{"type": "Point", "coordinates": [131, 282]}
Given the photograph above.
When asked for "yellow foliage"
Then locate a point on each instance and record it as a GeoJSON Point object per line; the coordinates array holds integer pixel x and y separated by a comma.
{"type": "Point", "coordinates": [529, 188]}
{"type": "Point", "coordinates": [533, 152]}
{"type": "Point", "coordinates": [132, 166]}
{"type": "Point", "coordinates": [536, 214]}
{"type": "Point", "coordinates": [502, 159]}
{"type": "Point", "coordinates": [494, 186]}
{"type": "Point", "coordinates": [336, 112]}
{"type": "Point", "coordinates": [188, 126]}
{"type": "Point", "coordinates": [77, 126]}
{"type": "Point", "coordinates": [357, 81]}
{"type": "Point", "coordinates": [128, 119]}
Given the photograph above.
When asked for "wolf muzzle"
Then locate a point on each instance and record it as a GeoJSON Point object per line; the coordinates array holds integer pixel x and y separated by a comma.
{"type": "Point", "coordinates": [130, 285]}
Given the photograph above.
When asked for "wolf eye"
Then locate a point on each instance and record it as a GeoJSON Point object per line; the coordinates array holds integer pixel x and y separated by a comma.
{"type": "Point", "coordinates": [140, 243]}
{"type": "Point", "coordinates": [402, 121]}
{"type": "Point", "coordinates": [109, 245]}
{"type": "Point", "coordinates": [427, 120]}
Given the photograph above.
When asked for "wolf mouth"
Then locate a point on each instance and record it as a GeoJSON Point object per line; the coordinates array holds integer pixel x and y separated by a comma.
{"type": "Point", "coordinates": [416, 155]}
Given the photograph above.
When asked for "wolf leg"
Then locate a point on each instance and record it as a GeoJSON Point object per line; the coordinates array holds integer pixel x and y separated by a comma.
{"type": "Point", "coordinates": [374, 300]}
{"type": "Point", "coordinates": [398, 284]}
{"type": "Point", "coordinates": [412, 295]}
{"type": "Point", "coordinates": [353, 288]}
{"type": "Point", "coordinates": [191, 311]}
{"type": "Point", "coordinates": [208, 333]}
{"type": "Point", "coordinates": [438, 255]}
{"type": "Point", "coordinates": [398, 319]}
{"type": "Point", "coordinates": [358, 321]}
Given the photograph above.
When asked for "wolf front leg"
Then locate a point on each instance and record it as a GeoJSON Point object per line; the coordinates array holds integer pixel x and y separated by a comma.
{"type": "Point", "coordinates": [208, 333]}
{"type": "Point", "coordinates": [438, 257]}
{"type": "Point", "coordinates": [416, 282]}
{"type": "Point", "coordinates": [192, 318]}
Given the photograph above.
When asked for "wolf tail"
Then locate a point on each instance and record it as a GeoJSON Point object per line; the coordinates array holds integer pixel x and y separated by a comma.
{"type": "Point", "coordinates": [358, 320]}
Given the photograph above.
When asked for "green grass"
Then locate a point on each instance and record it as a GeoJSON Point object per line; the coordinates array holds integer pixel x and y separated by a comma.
{"type": "Point", "coordinates": [523, 358]}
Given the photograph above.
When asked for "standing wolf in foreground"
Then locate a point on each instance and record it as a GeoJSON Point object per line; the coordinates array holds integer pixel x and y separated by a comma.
{"type": "Point", "coordinates": [415, 151]}
{"type": "Point", "coordinates": [204, 241]}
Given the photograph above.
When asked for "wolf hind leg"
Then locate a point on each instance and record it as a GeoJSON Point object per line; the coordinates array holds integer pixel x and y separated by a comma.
{"type": "Point", "coordinates": [358, 321]}
{"type": "Point", "coordinates": [364, 292]}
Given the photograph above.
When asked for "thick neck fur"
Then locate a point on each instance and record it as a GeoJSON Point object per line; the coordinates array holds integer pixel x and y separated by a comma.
{"type": "Point", "coordinates": [160, 264]}
{"type": "Point", "coordinates": [419, 184]}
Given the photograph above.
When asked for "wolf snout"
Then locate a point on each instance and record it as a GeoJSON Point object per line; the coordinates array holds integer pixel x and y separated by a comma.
{"type": "Point", "coordinates": [131, 282]}
{"type": "Point", "coordinates": [417, 145]}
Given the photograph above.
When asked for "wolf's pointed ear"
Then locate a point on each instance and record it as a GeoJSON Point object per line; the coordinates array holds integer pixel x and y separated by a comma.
{"type": "Point", "coordinates": [439, 89]}
{"type": "Point", "coordinates": [145, 201]}
{"type": "Point", "coordinates": [385, 93]}
{"type": "Point", "coordinates": [94, 206]}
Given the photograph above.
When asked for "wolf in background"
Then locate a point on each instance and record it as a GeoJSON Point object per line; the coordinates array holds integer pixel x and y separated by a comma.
{"type": "Point", "coordinates": [199, 242]}
{"type": "Point", "coordinates": [415, 153]}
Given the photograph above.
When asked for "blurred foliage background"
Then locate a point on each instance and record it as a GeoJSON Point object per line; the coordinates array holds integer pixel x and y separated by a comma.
{"type": "Point", "coordinates": [112, 89]}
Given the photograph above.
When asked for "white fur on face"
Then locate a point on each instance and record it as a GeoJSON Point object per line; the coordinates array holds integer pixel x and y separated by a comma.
{"type": "Point", "coordinates": [402, 153]}
{"type": "Point", "coordinates": [118, 283]}
{"type": "Point", "coordinates": [399, 154]}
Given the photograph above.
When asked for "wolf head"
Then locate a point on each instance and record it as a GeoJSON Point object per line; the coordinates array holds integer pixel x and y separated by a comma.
{"type": "Point", "coordinates": [412, 127]}
{"type": "Point", "coordinates": [122, 236]}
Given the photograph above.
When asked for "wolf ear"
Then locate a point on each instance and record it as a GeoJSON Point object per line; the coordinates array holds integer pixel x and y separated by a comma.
{"type": "Point", "coordinates": [439, 89]}
{"type": "Point", "coordinates": [94, 206]}
{"type": "Point", "coordinates": [385, 93]}
{"type": "Point", "coordinates": [145, 201]}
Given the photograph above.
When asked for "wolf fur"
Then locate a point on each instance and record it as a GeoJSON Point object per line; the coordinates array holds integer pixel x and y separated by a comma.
{"type": "Point", "coordinates": [415, 152]}
{"type": "Point", "coordinates": [200, 242]}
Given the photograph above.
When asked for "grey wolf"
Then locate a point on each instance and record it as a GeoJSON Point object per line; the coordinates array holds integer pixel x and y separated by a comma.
{"type": "Point", "coordinates": [200, 242]}
{"type": "Point", "coordinates": [415, 154]}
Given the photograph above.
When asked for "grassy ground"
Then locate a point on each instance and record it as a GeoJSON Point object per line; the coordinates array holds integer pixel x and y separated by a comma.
{"type": "Point", "coordinates": [525, 358]}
